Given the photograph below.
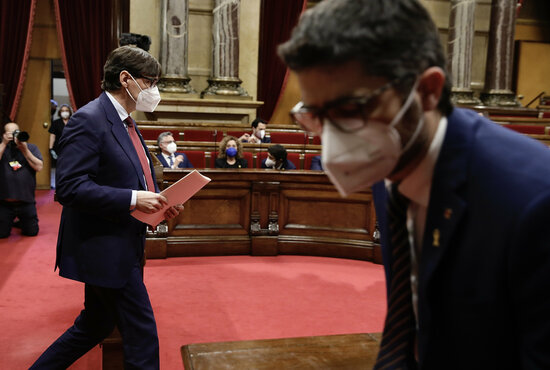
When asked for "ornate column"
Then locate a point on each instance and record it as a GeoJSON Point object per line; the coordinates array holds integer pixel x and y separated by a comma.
{"type": "Point", "coordinates": [461, 44]}
{"type": "Point", "coordinates": [500, 56]}
{"type": "Point", "coordinates": [173, 54]}
{"type": "Point", "coordinates": [224, 81]}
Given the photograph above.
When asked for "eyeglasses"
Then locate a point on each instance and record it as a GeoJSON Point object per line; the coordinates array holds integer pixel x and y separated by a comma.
{"type": "Point", "coordinates": [348, 114]}
{"type": "Point", "coordinates": [152, 80]}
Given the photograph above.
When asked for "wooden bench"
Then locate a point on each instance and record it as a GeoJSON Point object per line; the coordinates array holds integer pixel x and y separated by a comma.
{"type": "Point", "coordinates": [349, 351]}
{"type": "Point", "coordinates": [208, 132]}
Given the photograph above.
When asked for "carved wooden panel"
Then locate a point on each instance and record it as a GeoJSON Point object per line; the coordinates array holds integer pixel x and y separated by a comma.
{"type": "Point", "coordinates": [265, 212]}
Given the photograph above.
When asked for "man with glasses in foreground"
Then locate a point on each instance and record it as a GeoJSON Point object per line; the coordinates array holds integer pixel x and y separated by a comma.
{"type": "Point", "coordinates": [104, 172]}
{"type": "Point", "coordinates": [466, 251]}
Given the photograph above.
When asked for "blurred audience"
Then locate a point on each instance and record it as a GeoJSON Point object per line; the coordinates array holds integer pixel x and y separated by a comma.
{"type": "Point", "coordinates": [168, 155]}
{"type": "Point", "coordinates": [230, 154]}
{"type": "Point", "coordinates": [258, 133]}
{"type": "Point", "coordinates": [316, 163]}
{"type": "Point", "coordinates": [276, 159]}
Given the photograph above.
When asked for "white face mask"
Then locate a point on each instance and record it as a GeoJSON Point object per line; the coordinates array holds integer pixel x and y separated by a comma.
{"type": "Point", "coordinates": [270, 163]}
{"type": "Point", "coordinates": [171, 148]}
{"type": "Point", "coordinates": [64, 114]}
{"type": "Point", "coordinates": [355, 161]}
{"type": "Point", "coordinates": [147, 99]}
{"type": "Point", "coordinates": [260, 134]}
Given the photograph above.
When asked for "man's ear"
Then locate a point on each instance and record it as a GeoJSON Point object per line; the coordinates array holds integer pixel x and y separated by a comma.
{"type": "Point", "coordinates": [430, 85]}
{"type": "Point", "coordinates": [124, 76]}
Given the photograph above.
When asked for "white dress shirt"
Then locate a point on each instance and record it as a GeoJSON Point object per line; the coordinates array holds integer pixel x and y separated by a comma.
{"type": "Point", "coordinates": [416, 187]}
{"type": "Point", "coordinates": [123, 115]}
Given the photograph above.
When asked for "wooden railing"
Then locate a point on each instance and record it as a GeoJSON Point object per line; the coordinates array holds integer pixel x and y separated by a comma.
{"type": "Point", "coordinates": [266, 212]}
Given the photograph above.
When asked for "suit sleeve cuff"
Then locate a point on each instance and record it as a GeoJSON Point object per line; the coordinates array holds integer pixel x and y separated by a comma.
{"type": "Point", "coordinates": [133, 201]}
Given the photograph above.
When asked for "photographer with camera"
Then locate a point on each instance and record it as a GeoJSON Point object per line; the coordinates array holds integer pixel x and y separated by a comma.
{"type": "Point", "coordinates": [19, 162]}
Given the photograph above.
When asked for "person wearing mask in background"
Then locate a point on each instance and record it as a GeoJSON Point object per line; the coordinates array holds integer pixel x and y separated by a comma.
{"type": "Point", "coordinates": [276, 158]}
{"type": "Point", "coordinates": [466, 249]}
{"type": "Point", "coordinates": [104, 173]}
{"type": "Point", "coordinates": [230, 154]}
{"type": "Point", "coordinates": [56, 129]}
{"type": "Point", "coordinates": [168, 156]}
{"type": "Point", "coordinates": [258, 133]}
{"type": "Point", "coordinates": [19, 163]}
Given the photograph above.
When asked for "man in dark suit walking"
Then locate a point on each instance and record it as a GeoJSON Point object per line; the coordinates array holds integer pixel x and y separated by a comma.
{"type": "Point", "coordinates": [104, 172]}
{"type": "Point", "coordinates": [467, 253]}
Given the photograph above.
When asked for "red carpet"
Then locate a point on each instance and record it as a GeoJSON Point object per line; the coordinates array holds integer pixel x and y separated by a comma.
{"type": "Point", "coordinates": [199, 299]}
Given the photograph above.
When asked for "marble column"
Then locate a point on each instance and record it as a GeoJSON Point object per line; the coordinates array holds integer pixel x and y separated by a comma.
{"type": "Point", "coordinates": [224, 81]}
{"type": "Point", "coordinates": [500, 56]}
{"type": "Point", "coordinates": [174, 48]}
{"type": "Point", "coordinates": [461, 44]}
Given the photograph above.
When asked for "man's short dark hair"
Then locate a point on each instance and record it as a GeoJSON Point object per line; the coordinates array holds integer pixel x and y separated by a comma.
{"type": "Point", "coordinates": [257, 121]}
{"type": "Point", "coordinates": [278, 151]}
{"type": "Point", "coordinates": [136, 61]}
{"type": "Point", "coordinates": [390, 38]}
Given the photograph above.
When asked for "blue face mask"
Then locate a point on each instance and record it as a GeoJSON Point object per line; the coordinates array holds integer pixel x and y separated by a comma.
{"type": "Point", "coordinates": [231, 152]}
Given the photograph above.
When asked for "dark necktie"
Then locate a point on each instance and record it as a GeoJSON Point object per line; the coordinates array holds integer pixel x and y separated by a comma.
{"type": "Point", "coordinates": [171, 161]}
{"type": "Point", "coordinates": [141, 153]}
{"type": "Point", "coordinates": [397, 347]}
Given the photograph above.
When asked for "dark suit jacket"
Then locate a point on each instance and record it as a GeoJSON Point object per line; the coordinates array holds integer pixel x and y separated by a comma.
{"type": "Point", "coordinates": [99, 241]}
{"type": "Point", "coordinates": [184, 164]}
{"type": "Point", "coordinates": [484, 283]}
{"type": "Point", "coordinates": [239, 163]}
{"type": "Point", "coordinates": [316, 163]}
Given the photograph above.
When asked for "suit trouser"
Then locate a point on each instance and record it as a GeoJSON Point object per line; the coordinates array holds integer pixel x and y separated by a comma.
{"type": "Point", "coordinates": [128, 308]}
{"type": "Point", "coordinates": [25, 211]}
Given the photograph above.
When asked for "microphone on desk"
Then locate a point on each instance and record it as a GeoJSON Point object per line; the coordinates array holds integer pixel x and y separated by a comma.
{"type": "Point", "coordinates": [215, 136]}
{"type": "Point", "coordinates": [303, 155]}
{"type": "Point", "coordinates": [260, 155]}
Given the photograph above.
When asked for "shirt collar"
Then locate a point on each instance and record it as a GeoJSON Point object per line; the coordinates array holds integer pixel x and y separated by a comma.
{"type": "Point", "coordinates": [119, 108]}
{"type": "Point", "coordinates": [417, 185]}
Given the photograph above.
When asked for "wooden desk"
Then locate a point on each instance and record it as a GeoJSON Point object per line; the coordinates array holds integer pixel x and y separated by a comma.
{"type": "Point", "coordinates": [351, 351]}
{"type": "Point", "coordinates": [267, 212]}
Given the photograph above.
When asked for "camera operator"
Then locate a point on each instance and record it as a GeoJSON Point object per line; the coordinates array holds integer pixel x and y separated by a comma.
{"type": "Point", "coordinates": [19, 163]}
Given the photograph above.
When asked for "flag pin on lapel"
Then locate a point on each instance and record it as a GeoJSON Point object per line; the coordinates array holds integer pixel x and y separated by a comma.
{"type": "Point", "coordinates": [436, 238]}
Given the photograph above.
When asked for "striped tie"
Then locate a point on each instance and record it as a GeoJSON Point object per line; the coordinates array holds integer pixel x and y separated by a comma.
{"type": "Point", "coordinates": [396, 349]}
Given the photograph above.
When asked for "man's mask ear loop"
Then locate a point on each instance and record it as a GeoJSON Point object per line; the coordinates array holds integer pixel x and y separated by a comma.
{"type": "Point", "coordinates": [401, 113]}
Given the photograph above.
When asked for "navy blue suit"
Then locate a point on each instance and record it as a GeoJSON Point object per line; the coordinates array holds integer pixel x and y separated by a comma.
{"type": "Point", "coordinates": [484, 274]}
{"type": "Point", "coordinates": [99, 242]}
{"type": "Point", "coordinates": [316, 163]}
{"type": "Point", "coordinates": [183, 164]}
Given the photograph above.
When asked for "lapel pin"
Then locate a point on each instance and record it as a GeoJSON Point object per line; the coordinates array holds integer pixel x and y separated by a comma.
{"type": "Point", "coordinates": [436, 238]}
{"type": "Point", "coordinates": [447, 213]}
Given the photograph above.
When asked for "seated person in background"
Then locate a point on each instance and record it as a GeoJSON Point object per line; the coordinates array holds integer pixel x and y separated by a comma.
{"type": "Point", "coordinates": [168, 156]}
{"type": "Point", "coordinates": [230, 154]}
{"type": "Point", "coordinates": [19, 163]}
{"type": "Point", "coordinates": [276, 159]}
{"type": "Point", "coordinates": [258, 133]}
{"type": "Point", "coordinates": [316, 163]}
